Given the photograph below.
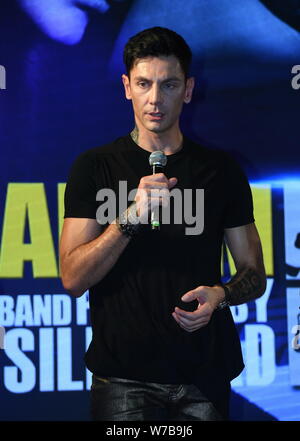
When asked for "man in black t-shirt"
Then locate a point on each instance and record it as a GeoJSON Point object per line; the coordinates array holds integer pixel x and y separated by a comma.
{"type": "Point", "coordinates": [164, 344]}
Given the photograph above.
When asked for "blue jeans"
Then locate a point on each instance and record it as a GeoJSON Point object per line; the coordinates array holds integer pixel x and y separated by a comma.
{"type": "Point", "coordinates": [118, 399]}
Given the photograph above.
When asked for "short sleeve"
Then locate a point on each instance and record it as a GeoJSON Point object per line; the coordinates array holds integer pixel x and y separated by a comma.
{"type": "Point", "coordinates": [80, 193]}
{"type": "Point", "coordinates": [238, 196]}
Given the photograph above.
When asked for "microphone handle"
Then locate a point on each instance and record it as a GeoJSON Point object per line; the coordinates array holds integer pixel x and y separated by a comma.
{"type": "Point", "coordinates": [155, 222]}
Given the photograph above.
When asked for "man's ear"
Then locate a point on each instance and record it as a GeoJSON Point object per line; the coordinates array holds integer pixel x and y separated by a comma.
{"type": "Point", "coordinates": [189, 87]}
{"type": "Point", "coordinates": [126, 83]}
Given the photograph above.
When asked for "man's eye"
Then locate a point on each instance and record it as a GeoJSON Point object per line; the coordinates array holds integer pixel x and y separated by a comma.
{"type": "Point", "coordinates": [170, 86]}
{"type": "Point", "coordinates": [142, 84]}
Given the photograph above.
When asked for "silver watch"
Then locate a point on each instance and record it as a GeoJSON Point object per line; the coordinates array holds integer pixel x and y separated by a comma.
{"type": "Point", "coordinates": [128, 222]}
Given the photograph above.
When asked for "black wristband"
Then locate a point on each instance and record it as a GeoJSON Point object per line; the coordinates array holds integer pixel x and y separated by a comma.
{"type": "Point", "coordinates": [226, 301]}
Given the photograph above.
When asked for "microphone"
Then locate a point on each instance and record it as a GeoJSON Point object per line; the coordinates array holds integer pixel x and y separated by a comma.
{"type": "Point", "coordinates": [157, 161]}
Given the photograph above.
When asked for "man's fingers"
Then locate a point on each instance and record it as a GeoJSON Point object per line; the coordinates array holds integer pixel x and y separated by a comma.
{"type": "Point", "coordinates": [194, 322]}
{"type": "Point", "coordinates": [190, 296]}
{"type": "Point", "coordinates": [201, 311]}
{"type": "Point", "coordinates": [157, 180]}
{"type": "Point", "coordinates": [172, 182]}
{"type": "Point", "coordinates": [196, 294]}
{"type": "Point", "coordinates": [187, 314]}
{"type": "Point", "coordinates": [191, 321]}
{"type": "Point", "coordinates": [187, 326]}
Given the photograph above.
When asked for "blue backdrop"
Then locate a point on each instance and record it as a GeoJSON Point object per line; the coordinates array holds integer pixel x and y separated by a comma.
{"type": "Point", "coordinates": [60, 94]}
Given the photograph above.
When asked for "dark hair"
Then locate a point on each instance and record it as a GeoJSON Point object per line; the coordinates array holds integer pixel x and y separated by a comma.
{"type": "Point", "coordinates": [155, 42]}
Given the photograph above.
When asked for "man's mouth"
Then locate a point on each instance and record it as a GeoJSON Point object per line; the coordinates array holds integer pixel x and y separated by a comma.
{"type": "Point", "coordinates": [156, 116]}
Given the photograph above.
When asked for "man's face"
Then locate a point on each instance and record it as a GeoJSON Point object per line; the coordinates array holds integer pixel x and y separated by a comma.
{"type": "Point", "coordinates": [158, 89]}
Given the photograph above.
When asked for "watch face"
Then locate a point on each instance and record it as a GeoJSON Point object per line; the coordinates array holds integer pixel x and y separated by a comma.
{"type": "Point", "coordinates": [126, 228]}
{"type": "Point", "coordinates": [222, 305]}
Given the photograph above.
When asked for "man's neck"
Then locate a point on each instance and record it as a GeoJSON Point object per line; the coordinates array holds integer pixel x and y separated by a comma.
{"type": "Point", "coordinates": [169, 143]}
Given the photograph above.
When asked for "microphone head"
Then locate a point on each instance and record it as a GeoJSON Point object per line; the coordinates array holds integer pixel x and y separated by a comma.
{"type": "Point", "coordinates": [157, 158]}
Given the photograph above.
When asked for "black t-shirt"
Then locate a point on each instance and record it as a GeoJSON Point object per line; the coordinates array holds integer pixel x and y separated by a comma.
{"type": "Point", "coordinates": [134, 333]}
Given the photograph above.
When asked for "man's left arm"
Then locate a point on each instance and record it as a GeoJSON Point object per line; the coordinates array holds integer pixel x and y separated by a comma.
{"type": "Point", "coordinates": [248, 283]}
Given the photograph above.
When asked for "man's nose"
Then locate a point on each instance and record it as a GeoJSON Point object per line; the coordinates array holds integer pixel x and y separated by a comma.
{"type": "Point", "coordinates": [155, 94]}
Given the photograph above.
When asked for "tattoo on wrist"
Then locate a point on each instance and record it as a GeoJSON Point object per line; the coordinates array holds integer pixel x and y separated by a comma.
{"type": "Point", "coordinates": [248, 284]}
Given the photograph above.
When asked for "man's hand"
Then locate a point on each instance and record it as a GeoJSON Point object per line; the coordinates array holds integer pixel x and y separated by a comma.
{"type": "Point", "coordinates": [208, 297]}
{"type": "Point", "coordinates": [153, 190]}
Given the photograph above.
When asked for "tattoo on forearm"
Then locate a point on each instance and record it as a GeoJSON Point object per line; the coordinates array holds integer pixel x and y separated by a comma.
{"type": "Point", "coordinates": [246, 285]}
{"type": "Point", "coordinates": [135, 135]}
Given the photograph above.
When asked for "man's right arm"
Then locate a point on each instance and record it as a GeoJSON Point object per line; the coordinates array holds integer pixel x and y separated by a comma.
{"type": "Point", "coordinates": [86, 254]}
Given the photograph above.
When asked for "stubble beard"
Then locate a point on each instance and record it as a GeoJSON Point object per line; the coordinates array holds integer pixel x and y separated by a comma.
{"type": "Point", "coordinates": [165, 127]}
